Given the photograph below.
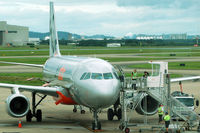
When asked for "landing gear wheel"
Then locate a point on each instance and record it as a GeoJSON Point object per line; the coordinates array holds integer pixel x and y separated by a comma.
{"type": "Point", "coordinates": [99, 126]}
{"type": "Point", "coordinates": [127, 130]}
{"type": "Point", "coordinates": [110, 114]}
{"type": "Point", "coordinates": [39, 115]}
{"type": "Point", "coordinates": [82, 111]}
{"type": "Point", "coordinates": [74, 110]}
{"type": "Point", "coordinates": [29, 116]}
{"type": "Point", "coordinates": [119, 114]}
{"type": "Point", "coordinates": [93, 125]}
{"type": "Point", "coordinates": [121, 127]}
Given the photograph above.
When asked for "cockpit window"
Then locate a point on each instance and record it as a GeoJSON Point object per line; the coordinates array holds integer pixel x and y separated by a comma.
{"type": "Point", "coordinates": [115, 74]}
{"type": "Point", "coordinates": [82, 77]}
{"type": "Point", "coordinates": [97, 76]}
{"type": "Point", "coordinates": [107, 76]}
{"type": "Point", "coordinates": [87, 76]}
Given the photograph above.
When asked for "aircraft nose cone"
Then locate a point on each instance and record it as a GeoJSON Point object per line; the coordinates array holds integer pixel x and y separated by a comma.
{"type": "Point", "coordinates": [104, 95]}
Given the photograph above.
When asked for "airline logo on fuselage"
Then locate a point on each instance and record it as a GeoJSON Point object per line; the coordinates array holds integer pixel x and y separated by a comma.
{"type": "Point", "coordinates": [61, 72]}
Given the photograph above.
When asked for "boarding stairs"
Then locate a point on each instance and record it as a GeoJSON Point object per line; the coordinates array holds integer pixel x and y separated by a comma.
{"type": "Point", "coordinates": [136, 100]}
{"type": "Point", "coordinates": [158, 87]}
{"type": "Point", "coordinates": [178, 109]}
{"type": "Point", "coordinates": [183, 112]}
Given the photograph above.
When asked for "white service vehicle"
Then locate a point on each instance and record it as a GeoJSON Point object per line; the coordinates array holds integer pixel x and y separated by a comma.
{"type": "Point", "coordinates": [186, 99]}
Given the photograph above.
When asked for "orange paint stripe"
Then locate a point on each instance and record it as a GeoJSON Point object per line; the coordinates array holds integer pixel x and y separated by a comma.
{"type": "Point", "coordinates": [64, 100]}
{"type": "Point", "coordinates": [61, 71]}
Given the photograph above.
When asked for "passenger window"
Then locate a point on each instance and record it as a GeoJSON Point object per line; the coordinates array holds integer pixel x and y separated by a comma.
{"type": "Point", "coordinates": [97, 76]}
{"type": "Point", "coordinates": [107, 76]}
{"type": "Point", "coordinates": [82, 77]}
{"type": "Point", "coordinates": [87, 76]}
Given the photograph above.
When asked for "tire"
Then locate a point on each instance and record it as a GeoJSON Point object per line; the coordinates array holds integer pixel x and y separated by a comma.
{"type": "Point", "coordinates": [39, 115]}
{"type": "Point", "coordinates": [127, 130]}
{"type": "Point", "coordinates": [119, 114]}
{"type": "Point", "coordinates": [110, 114]}
{"type": "Point", "coordinates": [74, 110]}
{"type": "Point", "coordinates": [121, 127]}
{"type": "Point", "coordinates": [29, 116]}
{"type": "Point", "coordinates": [93, 126]}
{"type": "Point", "coordinates": [99, 126]}
{"type": "Point", "coordinates": [82, 111]}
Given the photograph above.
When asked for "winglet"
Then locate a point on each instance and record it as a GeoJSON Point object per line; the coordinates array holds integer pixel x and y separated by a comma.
{"type": "Point", "coordinates": [53, 41]}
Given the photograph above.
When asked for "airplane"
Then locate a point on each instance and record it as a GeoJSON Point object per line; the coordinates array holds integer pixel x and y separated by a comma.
{"type": "Point", "coordinates": [71, 80]}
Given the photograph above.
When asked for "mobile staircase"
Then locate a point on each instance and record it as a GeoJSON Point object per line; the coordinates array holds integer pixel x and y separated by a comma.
{"type": "Point", "coordinates": [158, 87]}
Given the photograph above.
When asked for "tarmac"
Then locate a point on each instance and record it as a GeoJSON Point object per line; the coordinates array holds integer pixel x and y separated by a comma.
{"type": "Point", "coordinates": [60, 118]}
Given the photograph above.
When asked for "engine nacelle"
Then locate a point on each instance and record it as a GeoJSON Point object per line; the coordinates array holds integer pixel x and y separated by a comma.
{"type": "Point", "coordinates": [150, 108]}
{"type": "Point", "coordinates": [17, 105]}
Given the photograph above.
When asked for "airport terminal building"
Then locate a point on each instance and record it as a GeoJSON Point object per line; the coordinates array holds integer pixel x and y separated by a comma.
{"type": "Point", "coordinates": [13, 34]}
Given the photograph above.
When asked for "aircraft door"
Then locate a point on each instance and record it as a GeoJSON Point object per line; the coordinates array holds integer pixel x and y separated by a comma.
{"type": "Point", "coordinates": [156, 78]}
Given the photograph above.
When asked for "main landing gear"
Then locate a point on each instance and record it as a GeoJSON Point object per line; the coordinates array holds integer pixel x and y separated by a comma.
{"type": "Point", "coordinates": [96, 125]}
{"type": "Point", "coordinates": [80, 107]}
{"type": "Point", "coordinates": [117, 111]}
{"type": "Point", "coordinates": [37, 114]}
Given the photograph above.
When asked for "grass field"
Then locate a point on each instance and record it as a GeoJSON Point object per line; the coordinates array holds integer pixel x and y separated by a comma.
{"type": "Point", "coordinates": [32, 60]}
{"type": "Point", "coordinates": [177, 54]}
{"type": "Point", "coordinates": [41, 60]}
{"type": "Point", "coordinates": [141, 74]}
{"type": "Point", "coordinates": [21, 78]}
{"type": "Point", "coordinates": [65, 50]}
{"type": "Point", "coordinates": [172, 65]}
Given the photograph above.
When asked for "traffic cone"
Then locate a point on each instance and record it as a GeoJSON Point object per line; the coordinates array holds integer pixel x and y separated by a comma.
{"type": "Point", "coordinates": [20, 124]}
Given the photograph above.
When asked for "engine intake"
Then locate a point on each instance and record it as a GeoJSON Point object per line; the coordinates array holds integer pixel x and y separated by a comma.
{"type": "Point", "coordinates": [17, 105]}
{"type": "Point", "coordinates": [150, 108]}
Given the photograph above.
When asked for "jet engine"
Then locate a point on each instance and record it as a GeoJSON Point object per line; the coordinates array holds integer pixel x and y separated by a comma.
{"type": "Point", "coordinates": [17, 105]}
{"type": "Point", "coordinates": [147, 106]}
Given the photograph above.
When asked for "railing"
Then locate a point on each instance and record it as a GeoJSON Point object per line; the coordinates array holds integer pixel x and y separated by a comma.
{"type": "Point", "coordinates": [183, 111]}
{"type": "Point", "coordinates": [178, 109]}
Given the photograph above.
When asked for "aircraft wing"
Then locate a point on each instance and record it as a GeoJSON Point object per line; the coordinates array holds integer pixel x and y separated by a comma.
{"type": "Point", "coordinates": [185, 78]}
{"type": "Point", "coordinates": [38, 89]}
{"type": "Point", "coordinates": [23, 64]}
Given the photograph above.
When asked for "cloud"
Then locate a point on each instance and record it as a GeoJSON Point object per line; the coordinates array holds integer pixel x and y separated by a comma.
{"type": "Point", "coordinates": [113, 17]}
{"type": "Point", "coordinates": [159, 3]}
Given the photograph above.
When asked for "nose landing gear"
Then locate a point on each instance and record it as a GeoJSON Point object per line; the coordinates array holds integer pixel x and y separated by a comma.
{"type": "Point", "coordinates": [96, 125]}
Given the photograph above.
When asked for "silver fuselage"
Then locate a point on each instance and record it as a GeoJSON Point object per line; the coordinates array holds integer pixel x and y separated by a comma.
{"type": "Point", "coordinates": [67, 72]}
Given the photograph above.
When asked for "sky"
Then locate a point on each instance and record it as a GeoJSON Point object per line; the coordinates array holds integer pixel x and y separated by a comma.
{"type": "Point", "coordinates": [109, 17]}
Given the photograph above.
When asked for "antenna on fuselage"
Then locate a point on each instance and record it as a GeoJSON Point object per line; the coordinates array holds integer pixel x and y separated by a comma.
{"type": "Point", "coordinates": [53, 40]}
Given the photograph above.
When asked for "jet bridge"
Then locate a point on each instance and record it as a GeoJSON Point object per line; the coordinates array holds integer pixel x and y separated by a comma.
{"type": "Point", "coordinates": [150, 92]}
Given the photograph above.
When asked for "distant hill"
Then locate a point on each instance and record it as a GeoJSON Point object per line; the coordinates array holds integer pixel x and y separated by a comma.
{"type": "Point", "coordinates": [38, 35]}
{"type": "Point", "coordinates": [64, 35]}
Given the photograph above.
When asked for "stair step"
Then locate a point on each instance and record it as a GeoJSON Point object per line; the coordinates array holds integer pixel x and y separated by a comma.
{"type": "Point", "coordinates": [178, 108]}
